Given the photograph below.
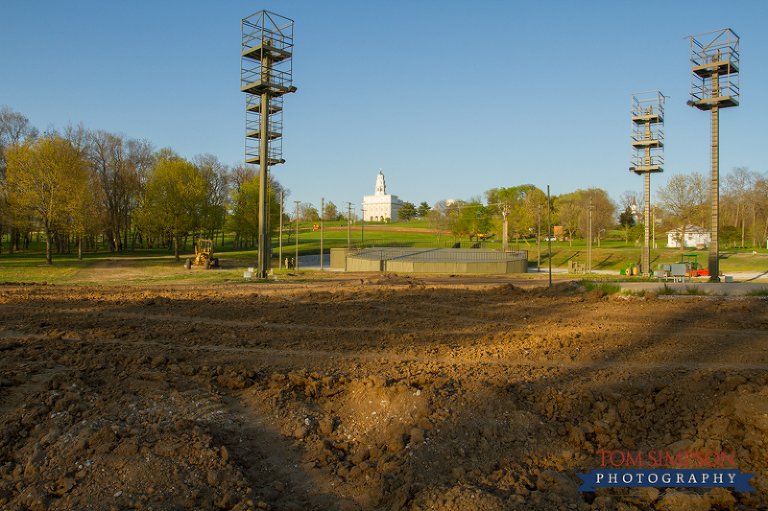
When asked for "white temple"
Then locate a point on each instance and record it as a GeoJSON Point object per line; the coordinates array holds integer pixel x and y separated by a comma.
{"type": "Point", "coordinates": [380, 206]}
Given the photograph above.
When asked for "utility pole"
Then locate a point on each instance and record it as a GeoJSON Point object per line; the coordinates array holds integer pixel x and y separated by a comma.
{"type": "Point", "coordinates": [296, 263]}
{"type": "Point", "coordinates": [653, 217]}
{"type": "Point", "coordinates": [322, 213]}
{"type": "Point", "coordinates": [549, 237]}
{"type": "Point", "coordinates": [362, 227]}
{"type": "Point", "coordinates": [538, 237]}
{"type": "Point", "coordinates": [505, 213]}
{"type": "Point", "coordinates": [589, 239]}
{"type": "Point", "coordinates": [280, 237]}
{"type": "Point", "coordinates": [349, 225]}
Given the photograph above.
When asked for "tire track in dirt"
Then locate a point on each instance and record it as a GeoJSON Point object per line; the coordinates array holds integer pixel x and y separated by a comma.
{"type": "Point", "coordinates": [597, 325]}
{"type": "Point", "coordinates": [378, 356]}
{"type": "Point", "coordinates": [223, 322]}
{"type": "Point", "coordinates": [694, 329]}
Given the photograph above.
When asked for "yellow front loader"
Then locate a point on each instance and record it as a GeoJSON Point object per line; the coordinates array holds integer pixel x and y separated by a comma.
{"type": "Point", "coordinates": [203, 255]}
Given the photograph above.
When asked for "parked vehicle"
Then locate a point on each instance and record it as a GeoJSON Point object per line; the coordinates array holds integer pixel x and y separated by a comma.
{"type": "Point", "coordinates": [203, 255]}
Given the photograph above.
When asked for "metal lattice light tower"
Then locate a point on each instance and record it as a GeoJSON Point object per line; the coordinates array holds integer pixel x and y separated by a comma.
{"type": "Point", "coordinates": [266, 74]}
{"type": "Point", "coordinates": [715, 85]}
{"type": "Point", "coordinates": [647, 153]}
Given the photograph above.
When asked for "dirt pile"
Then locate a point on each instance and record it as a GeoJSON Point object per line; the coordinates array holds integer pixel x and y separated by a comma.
{"type": "Point", "coordinates": [386, 395]}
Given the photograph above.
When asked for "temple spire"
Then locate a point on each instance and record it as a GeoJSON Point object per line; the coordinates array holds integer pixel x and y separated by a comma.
{"type": "Point", "coordinates": [381, 187]}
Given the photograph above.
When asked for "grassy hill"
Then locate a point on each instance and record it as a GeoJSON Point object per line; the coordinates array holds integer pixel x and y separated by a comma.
{"type": "Point", "coordinates": [158, 264]}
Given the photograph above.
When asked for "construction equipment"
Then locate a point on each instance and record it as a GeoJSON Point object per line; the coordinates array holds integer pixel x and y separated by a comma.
{"type": "Point", "coordinates": [694, 269]}
{"type": "Point", "coordinates": [632, 269]}
{"type": "Point", "coordinates": [203, 255]}
{"type": "Point", "coordinates": [480, 236]}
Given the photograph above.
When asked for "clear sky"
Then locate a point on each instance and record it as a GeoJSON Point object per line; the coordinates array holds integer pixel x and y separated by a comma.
{"type": "Point", "coordinates": [448, 98]}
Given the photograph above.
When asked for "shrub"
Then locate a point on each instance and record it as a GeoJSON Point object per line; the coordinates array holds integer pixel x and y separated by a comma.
{"type": "Point", "coordinates": [666, 290]}
{"type": "Point", "coordinates": [608, 288]}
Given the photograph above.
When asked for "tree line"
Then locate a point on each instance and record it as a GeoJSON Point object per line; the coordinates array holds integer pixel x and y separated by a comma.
{"type": "Point", "coordinates": [684, 201]}
{"type": "Point", "coordinates": [82, 187]}
{"type": "Point", "coordinates": [526, 212]}
{"type": "Point", "coordinates": [743, 210]}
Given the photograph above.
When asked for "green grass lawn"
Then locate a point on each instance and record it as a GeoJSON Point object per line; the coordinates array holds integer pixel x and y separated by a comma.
{"type": "Point", "coordinates": [158, 264]}
{"type": "Point", "coordinates": [615, 256]}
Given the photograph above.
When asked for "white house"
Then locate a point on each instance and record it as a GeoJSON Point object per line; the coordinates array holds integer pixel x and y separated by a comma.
{"type": "Point", "coordinates": [380, 206]}
{"type": "Point", "coordinates": [694, 235]}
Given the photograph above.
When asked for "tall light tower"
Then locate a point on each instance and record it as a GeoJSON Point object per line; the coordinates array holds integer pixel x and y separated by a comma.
{"type": "Point", "coordinates": [715, 85]}
{"type": "Point", "coordinates": [647, 153]}
{"type": "Point", "coordinates": [266, 74]}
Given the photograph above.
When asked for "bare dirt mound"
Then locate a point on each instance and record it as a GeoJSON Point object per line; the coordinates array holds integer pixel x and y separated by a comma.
{"type": "Point", "coordinates": [382, 394]}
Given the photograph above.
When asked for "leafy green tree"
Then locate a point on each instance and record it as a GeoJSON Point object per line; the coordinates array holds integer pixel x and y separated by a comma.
{"type": "Point", "coordinates": [242, 173]}
{"type": "Point", "coordinates": [439, 219]}
{"type": "Point", "coordinates": [730, 235]}
{"type": "Point", "coordinates": [461, 220]}
{"type": "Point", "coordinates": [483, 223]}
{"type": "Point", "coordinates": [423, 210]}
{"type": "Point", "coordinates": [603, 211]}
{"type": "Point", "coordinates": [308, 212]}
{"type": "Point", "coordinates": [330, 212]}
{"type": "Point", "coordinates": [522, 203]}
{"type": "Point", "coordinates": [174, 198]}
{"type": "Point", "coordinates": [244, 210]}
{"type": "Point", "coordinates": [406, 212]}
{"type": "Point", "coordinates": [736, 197]}
{"type": "Point", "coordinates": [216, 177]}
{"type": "Point", "coordinates": [759, 208]}
{"type": "Point", "coordinates": [86, 216]}
{"type": "Point", "coordinates": [243, 218]}
{"type": "Point", "coordinates": [15, 128]}
{"type": "Point", "coordinates": [472, 218]}
{"type": "Point", "coordinates": [45, 177]}
{"type": "Point", "coordinates": [116, 176]}
{"type": "Point", "coordinates": [682, 201]}
{"type": "Point", "coordinates": [568, 211]}
{"type": "Point", "coordinates": [535, 207]}
{"type": "Point", "coordinates": [626, 221]}
{"type": "Point", "coordinates": [636, 233]}
{"type": "Point", "coordinates": [142, 155]}
{"type": "Point", "coordinates": [84, 212]}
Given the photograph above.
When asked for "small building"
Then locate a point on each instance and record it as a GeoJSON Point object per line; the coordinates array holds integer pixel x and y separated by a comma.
{"type": "Point", "coordinates": [694, 235]}
{"type": "Point", "coordinates": [381, 207]}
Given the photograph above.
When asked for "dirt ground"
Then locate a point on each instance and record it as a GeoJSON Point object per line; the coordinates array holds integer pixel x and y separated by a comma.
{"type": "Point", "coordinates": [371, 392]}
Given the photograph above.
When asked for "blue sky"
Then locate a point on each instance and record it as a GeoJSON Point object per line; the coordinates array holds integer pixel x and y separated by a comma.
{"type": "Point", "coordinates": [448, 99]}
